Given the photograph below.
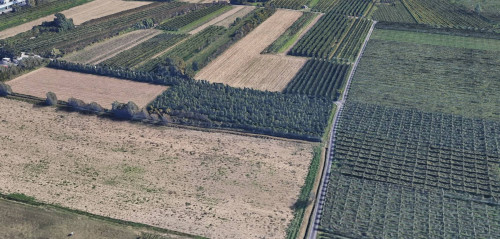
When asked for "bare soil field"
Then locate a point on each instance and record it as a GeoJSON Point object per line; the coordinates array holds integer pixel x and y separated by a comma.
{"type": "Point", "coordinates": [242, 65]}
{"type": "Point", "coordinates": [80, 14]}
{"type": "Point", "coordinates": [206, 183]}
{"type": "Point", "coordinates": [86, 87]}
{"type": "Point", "coordinates": [18, 220]}
{"type": "Point", "coordinates": [243, 11]}
{"type": "Point", "coordinates": [217, 19]}
{"type": "Point", "coordinates": [104, 50]}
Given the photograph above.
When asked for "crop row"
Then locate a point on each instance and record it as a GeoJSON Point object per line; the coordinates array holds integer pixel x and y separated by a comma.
{"type": "Point", "coordinates": [344, 7]}
{"type": "Point", "coordinates": [348, 50]}
{"type": "Point", "coordinates": [319, 78]}
{"type": "Point", "coordinates": [442, 13]}
{"type": "Point", "coordinates": [360, 208]}
{"type": "Point", "coordinates": [418, 149]}
{"type": "Point", "coordinates": [394, 12]}
{"type": "Point", "coordinates": [323, 38]}
{"type": "Point", "coordinates": [144, 51]}
{"type": "Point", "coordinates": [96, 30]}
{"type": "Point", "coordinates": [290, 4]}
{"type": "Point", "coordinates": [187, 49]}
{"type": "Point", "coordinates": [176, 23]}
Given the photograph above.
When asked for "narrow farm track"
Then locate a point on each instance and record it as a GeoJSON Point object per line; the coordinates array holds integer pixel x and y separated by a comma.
{"type": "Point", "coordinates": [321, 193]}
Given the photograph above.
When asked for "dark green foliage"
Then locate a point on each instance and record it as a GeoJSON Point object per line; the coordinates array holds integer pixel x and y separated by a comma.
{"type": "Point", "coordinates": [118, 73]}
{"type": "Point", "coordinates": [344, 7]}
{"type": "Point", "coordinates": [478, 33]}
{"type": "Point", "coordinates": [176, 23]}
{"type": "Point", "coordinates": [393, 12]}
{"type": "Point", "coordinates": [143, 51]}
{"type": "Point", "coordinates": [319, 78]}
{"type": "Point", "coordinates": [217, 105]}
{"type": "Point", "coordinates": [60, 24]}
{"type": "Point", "coordinates": [322, 39]}
{"type": "Point", "coordinates": [124, 111]}
{"type": "Point", "coordinates": [5, 89]}
{"type": "Point", "coordinates": [51, 99]}
{"type": "Point", "coordinates": [25, 65]}
{"type": "Point", "coordinates": [94, 30]}
{"type": "Point", "coordinates": [77, 104]}
{"type": "Point", "coordinates": [21, 197]}
{"type": "Point", "coordinates": [42, 9]}
{"type": "Point", "coordinates": [333, 37]}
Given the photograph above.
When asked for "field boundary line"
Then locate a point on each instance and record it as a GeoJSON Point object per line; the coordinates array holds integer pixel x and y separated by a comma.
{"type": "Point", "coordinates": [321, 194]}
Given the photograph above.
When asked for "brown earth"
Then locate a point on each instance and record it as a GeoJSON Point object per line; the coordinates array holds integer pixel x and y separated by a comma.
{"type": "Point", "coordinates": [242, 65]}
{"type": "Point", "coordinates": [211, 184]}
{"type": "Point", "coordinates": [86, 87]}
{"type": "Point", "coordinates": [80, 14]}
{"type": "Point", "coordinates": [102, 51]}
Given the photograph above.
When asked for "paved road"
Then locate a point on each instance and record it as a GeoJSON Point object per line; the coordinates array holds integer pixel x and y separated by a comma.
{"type": "Point", "coordinates": [321, 195]}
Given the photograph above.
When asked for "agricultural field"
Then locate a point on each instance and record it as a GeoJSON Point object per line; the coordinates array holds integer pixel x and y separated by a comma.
{"type": "Point", "coordinates": [290, 4]}
{"type": "Point", "coordinates": [333, 37]}
{"type": "Point", "coordinates": [96, 30]}
{"type": "Point", "coordinates": [488, 8]}
{"type": "Point", "coordinates": [102, 51]}
{"type": "Point", "coordinates": [86, 87]}
{"type": "Point", "coordinates": [193, 19]}
{"type": "Point", "coordinates": [263, 72]}
{"type": "Point", "coordinates": [18, 220]}
{"type": "Point", "coordinates": [227, 21]}
{"type": "Point", "coordinates": [393, 12]}
{"type": "Point", "coordinates": [457, 79]}
{"type": "Point", "coordinates": [362, 208]}
{"type": "Point", "coordinates": [319, 78]}
{"type": "Point", "coordinates": [354, 8]}
{"type": "Point", "coordinates": [293, 33]}
{"type": "Point", "coordinates": [144, 51]}
{"type": "Point", "coordinates": [212, 184]}
{"type": "Point", "coordinates": [443, 13]}
{"type": "Point", "coordinates": [92, 10]}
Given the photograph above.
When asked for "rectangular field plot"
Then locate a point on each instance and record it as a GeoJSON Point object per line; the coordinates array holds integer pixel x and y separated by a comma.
{"type": "Point", "coordinates": [360, 208]}
{"type": "Point", "coordinates": [420, 74]}
{"type": "Point", "coordinates": [424, 150]}
{"type": "Point", "coordinates": [242, 65]}
{"type": "Point", "coordinates": [100, 89]}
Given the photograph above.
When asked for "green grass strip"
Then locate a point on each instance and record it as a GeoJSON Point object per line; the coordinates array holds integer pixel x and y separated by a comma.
{"type": "Point", "coordinates": [437, 39]}
{"type": "Point", "coordinates": [27, 14]}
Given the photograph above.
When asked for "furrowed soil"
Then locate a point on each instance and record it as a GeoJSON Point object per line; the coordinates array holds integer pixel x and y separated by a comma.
{"type": "Point", "coordinates": [206, 183]}
{"type": "Point", "coordinates": [79, 14]}
{"type": "Point", "coordinates": [89, 88]}
{"type": "Point", "coordinates": [242, 65]}
{"type": "Point", "coordinates": [102, 51]}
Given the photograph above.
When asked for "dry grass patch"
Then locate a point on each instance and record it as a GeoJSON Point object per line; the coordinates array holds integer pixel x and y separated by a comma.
{"type": "Point", "coordinates": [80, 14]}
{"type": "Point", "coordinates": [102, 51]}
{"type": "Point", "coordinates": [242, 65]}
{"type": "Point", "coordinates": [87, 87]}
{"type": "Point", "coordinates": [212, 184]}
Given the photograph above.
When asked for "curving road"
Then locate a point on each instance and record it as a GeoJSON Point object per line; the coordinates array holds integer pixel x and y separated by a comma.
{"type": "Point", "coordinates": [321, 194]}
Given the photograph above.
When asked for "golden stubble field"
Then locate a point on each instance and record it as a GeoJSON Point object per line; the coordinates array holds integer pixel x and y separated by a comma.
{"type": "Point", "coordinates": [79, 14]}
{"type": "Point", "coordinates": [212, 184]}
{"type": "Point", "coordinates": [89, 88]}
{"type": "Point", "coordinates": [242, 65]}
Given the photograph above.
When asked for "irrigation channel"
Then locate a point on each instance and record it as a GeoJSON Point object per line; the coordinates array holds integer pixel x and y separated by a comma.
{"type": "Point", "coordinates": [321, 194]}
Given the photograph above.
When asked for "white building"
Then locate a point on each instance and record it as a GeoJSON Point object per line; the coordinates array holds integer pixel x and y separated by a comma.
{"type": "Point", "coordinates": [6, 5]}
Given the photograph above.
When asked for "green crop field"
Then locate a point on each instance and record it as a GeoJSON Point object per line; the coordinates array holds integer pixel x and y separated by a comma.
{"type": "Point", "coordinates": [432, 78]}
{"type": "Point", "coordinates": [394, 12]}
